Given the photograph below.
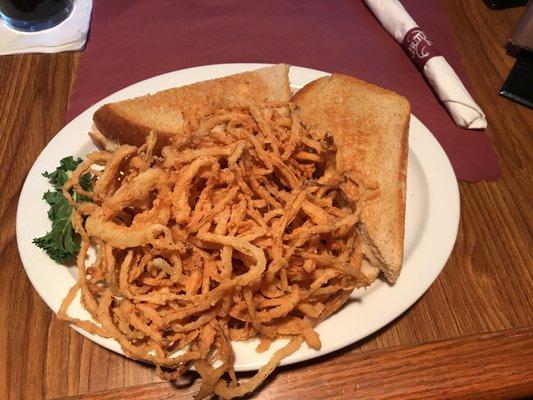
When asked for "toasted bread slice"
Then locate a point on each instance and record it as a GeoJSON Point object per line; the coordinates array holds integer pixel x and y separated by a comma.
{"type": "Point", "coordinates": [370, 126]}
{"type": "Point", "coordinates": [166, 112]}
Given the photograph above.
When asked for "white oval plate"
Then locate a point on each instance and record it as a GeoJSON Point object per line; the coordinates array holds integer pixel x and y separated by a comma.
{"type": "Point", "coordinates": [432, 218]}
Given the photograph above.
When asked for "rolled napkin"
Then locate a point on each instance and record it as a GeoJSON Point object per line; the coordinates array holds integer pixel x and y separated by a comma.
{"type": "Point", "coordinates": [449, 88]}
{"type": "Point", "coordinates": [69, 35]}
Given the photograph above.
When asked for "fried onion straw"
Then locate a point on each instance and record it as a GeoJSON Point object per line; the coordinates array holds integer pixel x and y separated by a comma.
{"type": "Point", "coordinates": [240, 230]}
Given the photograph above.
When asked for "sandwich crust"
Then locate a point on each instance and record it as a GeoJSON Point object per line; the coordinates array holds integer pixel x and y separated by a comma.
{"type": "Point", "coordinates": [371, 127]}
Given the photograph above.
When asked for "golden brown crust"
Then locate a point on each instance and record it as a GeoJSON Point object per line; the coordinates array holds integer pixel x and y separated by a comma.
{"type": "Point", "coordinates": [393, 274]}
{"type": "Point", "coordinates": [313, 86]}
{"type": "Point", "coordinates": [371, 126]}
{"type": "Point", "coordinates": [122, 130]}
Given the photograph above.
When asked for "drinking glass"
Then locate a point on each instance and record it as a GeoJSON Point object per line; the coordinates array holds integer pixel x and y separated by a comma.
{"type": "Point", "coordinates": [34, 15]}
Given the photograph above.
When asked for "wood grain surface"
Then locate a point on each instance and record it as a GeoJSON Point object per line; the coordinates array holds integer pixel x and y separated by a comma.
{"type": "Point", "coordinates": [485, 287]}
{"type": "Point", "coordinates": [450, 369]}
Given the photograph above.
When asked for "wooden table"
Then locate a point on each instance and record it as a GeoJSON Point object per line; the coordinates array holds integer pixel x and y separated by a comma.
{"type": "Point", "coordinates": [470, 336]}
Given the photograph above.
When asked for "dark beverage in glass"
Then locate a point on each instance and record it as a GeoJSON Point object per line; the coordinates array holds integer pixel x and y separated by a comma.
{"type": "Point", "coordinates": [34, 15]}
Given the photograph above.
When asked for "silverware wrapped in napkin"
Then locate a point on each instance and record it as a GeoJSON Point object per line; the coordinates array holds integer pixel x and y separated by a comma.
{"type": "Point", "coordinates": [449, 88]}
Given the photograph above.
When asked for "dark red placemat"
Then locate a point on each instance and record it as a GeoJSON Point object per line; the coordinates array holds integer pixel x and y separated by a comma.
{"type": "Point", "coordinates": [133, 40]}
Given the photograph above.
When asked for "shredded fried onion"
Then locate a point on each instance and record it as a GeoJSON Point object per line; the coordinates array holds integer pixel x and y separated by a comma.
{"type": "Point", "coordinates": [241, 230]}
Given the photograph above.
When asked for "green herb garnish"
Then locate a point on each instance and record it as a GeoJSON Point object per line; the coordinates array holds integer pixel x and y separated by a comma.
{"type": "Point", "coordinates": [62, 242]}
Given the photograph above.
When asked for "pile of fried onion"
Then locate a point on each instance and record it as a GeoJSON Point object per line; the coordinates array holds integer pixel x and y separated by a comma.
{"type": "Point", "coordinates": [241, 229]}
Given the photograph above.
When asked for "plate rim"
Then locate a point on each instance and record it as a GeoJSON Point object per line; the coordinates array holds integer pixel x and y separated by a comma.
{"type": "Point", "coordinates": [443, 174]}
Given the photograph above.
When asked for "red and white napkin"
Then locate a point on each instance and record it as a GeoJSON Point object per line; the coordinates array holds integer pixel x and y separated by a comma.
{"type": "Point", "coordinates": [449, 88]}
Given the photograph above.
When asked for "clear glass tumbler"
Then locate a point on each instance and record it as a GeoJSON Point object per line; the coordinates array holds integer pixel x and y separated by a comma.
{"type": "Point", "coordinates": [34, 15]}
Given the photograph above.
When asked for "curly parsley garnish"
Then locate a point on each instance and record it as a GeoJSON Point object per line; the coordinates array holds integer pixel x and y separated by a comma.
{"type": "Point", "coordinates": [62, 242]}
